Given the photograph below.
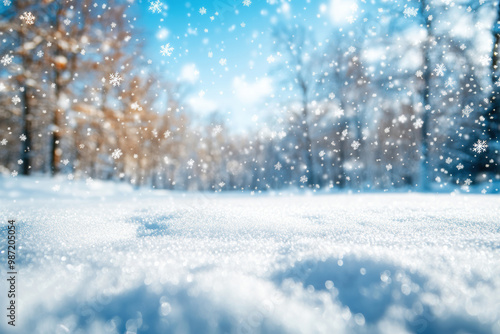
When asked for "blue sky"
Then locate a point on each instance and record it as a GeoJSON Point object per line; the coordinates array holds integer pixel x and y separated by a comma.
{"type": "Point", "coordinates": [239, 34]}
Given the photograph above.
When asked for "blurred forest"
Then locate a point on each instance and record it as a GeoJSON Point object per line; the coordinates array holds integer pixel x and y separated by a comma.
{"type": "Point", "coordinates": [406, 97]}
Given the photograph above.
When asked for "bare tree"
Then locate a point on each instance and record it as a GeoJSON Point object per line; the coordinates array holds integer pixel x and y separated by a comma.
{"type": "Point", "coordinates": [297, 45]}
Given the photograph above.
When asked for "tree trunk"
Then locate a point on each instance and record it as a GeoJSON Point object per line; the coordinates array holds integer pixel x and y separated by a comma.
{"type": "Point", "coordinates": [424, 182]}
{"type": "Point", "coordinates": [56, 132]}
{"type": "Point", "coordinates": [311, 176]}
{"type": "Point", "coordinates": [494, 110]}
{"type": "Point", "coordinates": [26, 144]}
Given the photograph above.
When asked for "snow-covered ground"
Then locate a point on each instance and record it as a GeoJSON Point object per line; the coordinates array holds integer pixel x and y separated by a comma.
{"type": "Point", "coordinates": [104, 258]}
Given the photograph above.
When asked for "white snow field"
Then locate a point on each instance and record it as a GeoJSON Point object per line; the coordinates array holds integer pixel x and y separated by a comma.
{"type": "Point", "coordinates": [104, 258]}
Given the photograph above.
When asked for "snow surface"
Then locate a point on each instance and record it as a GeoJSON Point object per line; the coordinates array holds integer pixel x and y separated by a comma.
{"type": "Point", "coordinates": [104, 258]}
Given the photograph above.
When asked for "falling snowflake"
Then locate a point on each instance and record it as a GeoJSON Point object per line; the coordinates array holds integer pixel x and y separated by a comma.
{"type": "Point", "coordinates": [39, 54]}
{"type": "Point", "coordinates": [166, 134]}
{"type": "Point", "coordinates": [247, 3]}
{"type": "Point", "coordinates": [155, 6]}
{"type": "Point", "coordinates": [388, 167]}
{"type": "Point", "coordinates": [448, 160]}
{"type": "Point", "coordinates": [484, 60]}
{"type": "Point", "coordinates": [351, 19]}
{"type": "Point", "coordinates": [418, 123]}
{"type": "Point", "coordinates": [28, 18]}
{"type": "Point", "coordinates": [6, 60]}
{"type": "Point", "coordinates": [117, 153]}
{"type": "Point", "coordinates": [440, 69]}
{"type": "Point", "coordinates": [216, 130]}
{"type": "Point", "coordinates": [223, 61]}
{"type": "Point", "coordinates": [22, 137]}
{"type": "Point", "coordinates": [449, 83]}
{"type": "Point", "coordinates": [480, 146]}
{"type": "Point", "coordinates": [190, 163]}
{"type": "Point", "coordinates": [467, 182]}
{"type": "Point", "coordinates": [278, 166]}
{"type": "Point", "coordinates": [4, 142]}
{"type": "Point", "coordinates": [115, 79]}
{"type": "Point", "coordinates": [303, 179]}
{"type": "Point", "coordinates": [6, 3]}
{"type": "Point", "coordinates": [20, 162]}
{"type": "Point", "coordinates": [203, 10]}
{"type": "Point", "coordinates": [355, 144]}
{"type": "Point", "coordinates": [14, 173]}
{"type": "Point", "coordinates": [166, 50]}
{"type": "Point", "coordinates": [410, 11]}
{"type": "Point", "coordinates": [419, 74]}
{"type": "Point", "coordinates": [16, 100]}
{"type": "Point", "coordinates": [67, 21]}
{"type": "Point", "coordinates": [460, 166]}
{"type": "Point", "coordinates": [222, 184]}
{"type": "Point", "coordinates": [467, 111]}
{"type": "Point", "coordinates": [270, 59]}
{"type": "Point", "coordinates": [331, 96]}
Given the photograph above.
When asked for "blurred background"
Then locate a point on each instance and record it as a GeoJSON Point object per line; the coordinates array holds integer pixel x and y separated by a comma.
{"type": "Point", "coordinates": [253, 95]}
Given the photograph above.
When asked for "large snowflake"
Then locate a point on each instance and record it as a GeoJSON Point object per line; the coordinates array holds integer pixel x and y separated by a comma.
{"type": "Point", "coordinates": [115, 79]}
{"type": "Point", "coordinates": [28, 18]}
{"type": "Point", "coordinates": [166, 50]}
{"type": "Point", "coordinates": [480, 146]}
{"type": "Point", "coordinates": [410, 11]}
{"type": "Point", "coordinates": [467, 111]}
{"type": "Point", "coordinates": [440, 69]}
{"type": "Point", "coordinates": [117, 153]}
{"type": "Point", "coordinates": [155, 6]}
{"type": "Point", "coordinates": [6, 60]}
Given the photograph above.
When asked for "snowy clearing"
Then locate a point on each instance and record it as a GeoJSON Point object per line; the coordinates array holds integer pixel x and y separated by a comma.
{"type": "Point", "coordinates": [107, 259]}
